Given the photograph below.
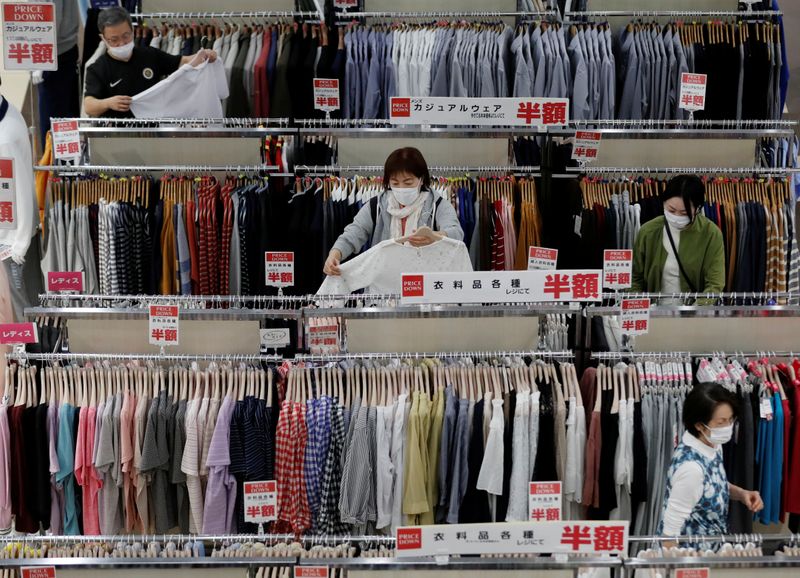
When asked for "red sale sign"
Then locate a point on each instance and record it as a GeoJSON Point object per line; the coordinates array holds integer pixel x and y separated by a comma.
{"type": "Point", "coordinates": [693, 91]}
{"type": "Point", "coordinates": [66, 140]}
{"type": "Point", "coordinates": [617, 268]}
{"type": "Point", "coordinates": [8, 196]}
{"type": "Point", "coordinates": [544, 501]}
{"type": "Point", "coordinates": [260, 501]}
{"type": "Point", "coordinates": [18, 333]}
{"type": "Point", "coordinates": [692, 573]}
{"type": "Point", "coordinates": [326, 94]}
{"type": "Point", "coordinates": [279, 268]}
{"type": "Point", "coordinates": [311, 571]}
{"type": "Point", "coordinates": [64, 281]}
{"type": "Point", "coordinates": [587, 143]}
{"type": "Point", "coordinates": [542, 258]}
{"type": "Point", "coordinates": [164, 326]}
{"type": "Point", "coordinates": [29, 36]}
{"type": "Point", "coordinates": [635, 317]}
{"type": "Point", "coordinates": [38, 572]}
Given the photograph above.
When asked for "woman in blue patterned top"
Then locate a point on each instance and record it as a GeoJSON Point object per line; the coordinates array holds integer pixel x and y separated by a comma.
{"type": "Point", "coordinates": [697, 490]}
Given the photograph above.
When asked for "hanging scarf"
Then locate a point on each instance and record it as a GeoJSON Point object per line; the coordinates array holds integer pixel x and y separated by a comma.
{"type": "Point", "coordinates": [410, 213]}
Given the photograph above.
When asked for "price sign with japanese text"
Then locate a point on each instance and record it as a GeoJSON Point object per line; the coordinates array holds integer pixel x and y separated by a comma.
{"type": "Point", "coordinates": [279, 268]}
{"type": "Point", "coordinates": [311, 571]}
{"type": "Point", "coordinates": [542, 258]}
{"type": "Point", "coordinates": [587, 143]}
{"type": "Point", "coordinates": [534, 112]}
{"type": "Point", "coordinates": [502, 287]}
{"type": "Point", "coordinates": [164, 325]}
{"type": "Point", "coordinates": [18, 333]}
{"type": "Point", "coordinates": [29, 36]}
{"type": "Point", "coordinates": [8, 195]}
{"type": "Point", "coordinates": [544, 501]}
{"type": "Point", "coordinates": [66, 140]}
{"type": "Point", "coordinates": [64, 281]}
{"type": "Point", "coordinates": [326, 94]}
{"type": "Point", "coordinates": [565, 537]}
{"type": "Point", "coordinates": [617, 268]}
{"type": "Point", "coordinates": [693, 91]}
{"type": "Point", "coordinates": [692, 573]}
{"type": "Point", "coordinates": [323, 338]}
{"type": "Point", "coordinates": [38, 572]}
{"type": "Point", "coordinates": [275, 338]}
{"type": "Point", "coordinates": [260, 501]}
{"type": "Point", "coordinates": [635, 317]}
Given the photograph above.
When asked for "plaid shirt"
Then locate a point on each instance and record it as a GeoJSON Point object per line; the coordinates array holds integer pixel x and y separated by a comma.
{"type": "Point", "coordinates": [283, 458]}
{"type": "Point", "coordinates": [300, 513]}
{"type": "Point", "coordinates": [329, 521]}
{"type": "Point", "coordinates": [311, 465]}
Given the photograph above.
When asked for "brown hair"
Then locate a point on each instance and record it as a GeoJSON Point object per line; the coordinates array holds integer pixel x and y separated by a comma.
{"type": "Point", "coordinates": [406, 160]}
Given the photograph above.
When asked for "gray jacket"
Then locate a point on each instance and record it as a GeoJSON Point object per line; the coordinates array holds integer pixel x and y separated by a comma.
{"type": "Point", "coordinates": [357, 233]}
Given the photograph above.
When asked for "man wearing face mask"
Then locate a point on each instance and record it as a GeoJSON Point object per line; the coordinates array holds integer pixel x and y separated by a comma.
{"type": "Point", "coordinates": [405, 209]}
{"type": "Point", "coordinates": [682, 251]}
{"type": "Point", "coordinates": [125, 70]}
{"type": "Point", "coordinates": [697, 490]}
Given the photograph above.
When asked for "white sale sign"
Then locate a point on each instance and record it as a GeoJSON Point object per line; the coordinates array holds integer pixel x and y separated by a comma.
{"type": "Point", "coordinates": [260, 501]}
{"type": "Point", "coordinates": [544, 501]}
{"type": "Point", "coordinates": [163, 325]}
{"type": "Point", "coordinates": [565, 537]}
{"type": "Point", "coordinates": [693, 91]}
{"type": "Point", "coordinates": [66, 140]}
{"type": "Point", "coordinates": [617, 268]}
{"type": "Point", "coordinates": [502, 287]}
{"type": "Point", "coordinates": [542, 258]}
{"type": "Point", "coordinates": [635, 317]}
{"type": "Point", "coordinates": [326, 94]}
{"type": "Point", "coordinates": [534, 112]}
{"type": "Point", "coordinates": [587, 143]}
{"type": "Point", "coordinates": [29, 36]}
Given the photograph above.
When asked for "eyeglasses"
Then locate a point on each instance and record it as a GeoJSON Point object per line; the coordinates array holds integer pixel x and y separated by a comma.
{"type": "Point", "coordinates": [119, 40]}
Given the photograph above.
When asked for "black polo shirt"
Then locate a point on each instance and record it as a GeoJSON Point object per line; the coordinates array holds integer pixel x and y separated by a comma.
{"type": "Point", "coordinates": [147, 66]}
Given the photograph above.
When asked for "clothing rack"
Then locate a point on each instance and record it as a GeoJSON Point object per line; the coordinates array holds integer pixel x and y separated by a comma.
{"type": "Point", "coordinates": [673, 13]}
{"type": "Point", "coordinates": [222, 15]}
{"type": "Point", "coordinates": [196, 300]}
{"type": "Point", "coordinates": [307, 539]}
{"type": "Point", "coordinates": [162, 122]}
{"type": "Point", "coordinates": [436, 355]}
{"type": "Point", "coordinates": [322, 169]}
{"type": "Point", "coordinates": [735, 538]}
{"type": "Point", "coordinates": [613, 355]}
{"type": "Point", "coordinates": [247, 358]}
{"type": "Point", "coordinates": [154, 168]}
{"type": "Point", "coordinates": [442, 15]}
{"type": "Point", "coordinates": [758, 295]}
{"type": "Point", "coordinates": [762, 171]}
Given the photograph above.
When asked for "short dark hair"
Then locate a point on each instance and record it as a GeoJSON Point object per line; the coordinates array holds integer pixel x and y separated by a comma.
{"type": "Point", "coordinates": [690, 188]}
{"type": "Point", "coordinates": [113, 16]}
{"type": "Point", "coordinates": [701, 402]}
{"type": "Point", "coordinates": [406, 160]}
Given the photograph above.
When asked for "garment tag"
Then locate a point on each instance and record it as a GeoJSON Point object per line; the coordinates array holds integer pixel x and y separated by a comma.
{"type": "Point", "coordinates": [5, 252]}
{"type": "Point", "coordinates": [765, 408]}
{"type": "Point", "coordinates": [578, 223]}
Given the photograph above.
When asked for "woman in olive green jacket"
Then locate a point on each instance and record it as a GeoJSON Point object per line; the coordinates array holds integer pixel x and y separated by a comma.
{"type": "Point", "coordinates": [700, 266]}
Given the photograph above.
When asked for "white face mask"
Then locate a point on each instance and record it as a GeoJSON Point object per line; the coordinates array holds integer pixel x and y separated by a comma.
{"type": "Point", "coordinates": [406, 196]}
{"type": "Point", "coordinates": [677, 222]}
{"type": "Point", "coordinates": [121, 52]}
{"type": "Point", "coordinates": [719, 435]}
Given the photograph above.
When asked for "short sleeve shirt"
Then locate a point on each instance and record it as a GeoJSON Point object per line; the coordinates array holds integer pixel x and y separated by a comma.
{"type": "Point", "coordinates": [109, 77]}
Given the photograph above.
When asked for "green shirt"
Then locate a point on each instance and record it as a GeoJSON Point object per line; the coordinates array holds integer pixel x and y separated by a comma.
{"type": "Point", "coordinates": [701, 251]}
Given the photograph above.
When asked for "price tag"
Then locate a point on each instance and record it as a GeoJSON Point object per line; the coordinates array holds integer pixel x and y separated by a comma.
{"type": "Point", "coordinates": [38, 572]}
{"type": "Point", "coordinates": [8, 196]}
{"type": "Point", "coordinates": [587, 143]}
{"type": "Point", "coordinates": [66, 140]}
{"type": "Point", "coordinates": [164, 327]}
{"type": "Point", "coordinates": [323, 339]}
{"type": "Point", "coordinates": [617, 268]}
{"type": "Point", "coordinates": [635, 318]}
{"type": "Point", "coordinates": [544, 501]}
{"type": "Point", "coordinates": [693, 91]}
{"type": "Point", "coordinates": [279, 268]}
{"type": "Point", "coordinates": [18, 333]}
{"type": "Point", "coordinates": [260, 501]}
{"type": "Point", "coordinates": [275, 338]}
{"type": "Point", "coordinates": [29, 36]}
{"type": "Point", "coordinates": [310, 571]}
{"type": "Point", "coordinates": [5, 252]}
{"type": "Point", "coordinates": [692, 573]}
{"type": "Point", "coordinates": [542, 258]}
{"type": "Point", "coordinates": [326, 94]}
{"type": "Point", "coordinates": [765, 408]}
{"type": "Point", "coordinates": [64, 281]}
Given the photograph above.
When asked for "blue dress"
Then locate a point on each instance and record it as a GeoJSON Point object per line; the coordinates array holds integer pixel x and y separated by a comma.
{"type": "Point", "coordinates": [710, 514]}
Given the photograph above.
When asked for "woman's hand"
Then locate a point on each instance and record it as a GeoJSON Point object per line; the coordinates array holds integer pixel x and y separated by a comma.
{"type": "Point", "coordinates": [332, 263]}
{"type": "Point", "coordinates": [752, 500]}
{"type": "Point", "coordinates": [749, 498]}
{"type": "Point", "coordinates": [424, 236]}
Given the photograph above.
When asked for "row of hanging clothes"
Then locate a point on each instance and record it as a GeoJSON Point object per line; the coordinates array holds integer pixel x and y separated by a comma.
{"type": "Point", "coordinates": [379, 445]}
{"type": "Point", "coordinates": [134, 448]}
{"type": "Point", "coordinates": [756, 217]}
{"type": "Point", "coordinates": [269, 66]}
{"type": "Point", "coordinates": [761, 455]}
